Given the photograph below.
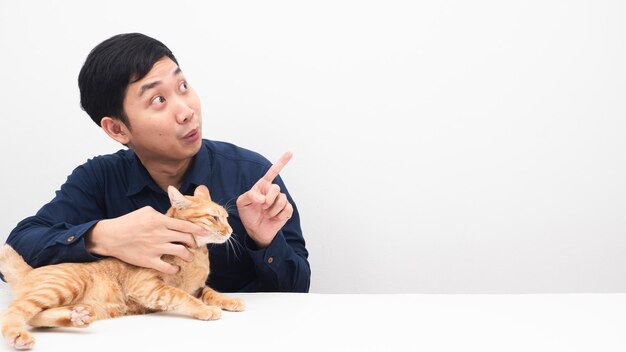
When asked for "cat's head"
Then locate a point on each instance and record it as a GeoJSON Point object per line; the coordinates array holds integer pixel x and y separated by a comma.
{"type": "Point", "coordinates": [201, 210]}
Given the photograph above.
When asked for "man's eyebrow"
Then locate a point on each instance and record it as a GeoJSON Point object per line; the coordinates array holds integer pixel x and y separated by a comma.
{"type": "Point", "coordinates": [151, 85]}
{"type": "Point", "coordinates": [148, 86]}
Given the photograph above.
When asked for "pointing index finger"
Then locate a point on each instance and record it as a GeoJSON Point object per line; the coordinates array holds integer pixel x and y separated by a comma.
{"type": "Point", "coordinates": [277, 167]}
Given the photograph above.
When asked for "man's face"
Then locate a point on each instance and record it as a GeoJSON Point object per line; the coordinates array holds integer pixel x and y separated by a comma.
{"type": "Point", "coordinates": [164, 115]}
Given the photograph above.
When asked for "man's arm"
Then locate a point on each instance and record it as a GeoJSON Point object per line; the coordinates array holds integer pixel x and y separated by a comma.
{"type": "Point", "coordinates": [56, 234]}
{"type": "Point", "coordinates": [275, 240]}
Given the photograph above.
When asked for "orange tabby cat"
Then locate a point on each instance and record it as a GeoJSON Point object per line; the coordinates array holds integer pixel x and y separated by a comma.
{"type": "Point", "coordinates": [76, 294]}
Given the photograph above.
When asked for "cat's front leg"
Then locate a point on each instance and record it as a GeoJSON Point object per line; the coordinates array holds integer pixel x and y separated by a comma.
{"type": "Point", "coordinates": [212, 297]}
{"type": "Point", "coordinates": [159, 296]}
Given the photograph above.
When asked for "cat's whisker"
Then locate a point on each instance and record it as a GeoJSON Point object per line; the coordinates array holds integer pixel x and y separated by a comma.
{"type": "Point", "coordinates": [231, 246]}
{"type": "Point", "coordinates": [227, 251]}
{"type": "Point", "coordinates": [229, 206]}
{"type": "Point", "coordinates": [235, 245]}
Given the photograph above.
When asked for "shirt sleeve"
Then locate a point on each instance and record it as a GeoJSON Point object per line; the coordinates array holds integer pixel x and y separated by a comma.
{"type": "Point", "coordinates": [283, 265]}
{"type": "Point", "coordinates": [56, 233]}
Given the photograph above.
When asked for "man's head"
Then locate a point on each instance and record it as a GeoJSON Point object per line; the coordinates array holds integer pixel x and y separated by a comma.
{"type": "Point", "coordinates": [131, 86]}
{"type": "Point", "coordinates": [110, 67]}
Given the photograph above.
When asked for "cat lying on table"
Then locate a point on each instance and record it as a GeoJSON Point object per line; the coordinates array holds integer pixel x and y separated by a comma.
{"type": "Point", "coordinates": [76, 294]}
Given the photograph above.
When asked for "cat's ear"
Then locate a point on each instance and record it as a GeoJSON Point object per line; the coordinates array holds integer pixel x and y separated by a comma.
{"type": "Point", "coordinates": [116, 129]}
{"type": "Point", "coordinates": [177, 199]}
{"type": "Point", "coordinates": [203, 192]}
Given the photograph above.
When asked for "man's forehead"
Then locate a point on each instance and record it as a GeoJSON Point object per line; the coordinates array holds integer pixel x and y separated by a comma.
{"type": "Point", "coordinates": [161, 70]}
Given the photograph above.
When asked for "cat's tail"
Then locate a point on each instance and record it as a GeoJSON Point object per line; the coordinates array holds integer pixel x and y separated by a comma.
{"type": "Point", "coordinates": [12, 265]}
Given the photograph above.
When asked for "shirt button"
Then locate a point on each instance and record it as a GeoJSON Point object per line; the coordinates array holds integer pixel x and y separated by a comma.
{"type": "Point", "coordinates": [270, 260]}
{"type": "Point", "coordinates": [70, 239]}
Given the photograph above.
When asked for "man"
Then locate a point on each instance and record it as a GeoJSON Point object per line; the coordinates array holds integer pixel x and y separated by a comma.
{"type": "Point", "coordinates": [113, 205]}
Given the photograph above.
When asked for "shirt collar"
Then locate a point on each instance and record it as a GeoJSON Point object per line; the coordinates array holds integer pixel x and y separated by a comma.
{"type": "Point", "coordinates": [197, 174]}
{"type": "Point", "coordinates": [138, 176]}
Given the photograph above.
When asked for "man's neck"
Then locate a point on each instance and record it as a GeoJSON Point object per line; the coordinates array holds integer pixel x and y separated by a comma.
{"type": "Point", "coordinates": [166, 174]}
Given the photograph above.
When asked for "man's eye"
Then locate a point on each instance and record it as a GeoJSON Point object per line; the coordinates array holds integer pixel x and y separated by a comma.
{"type": "Point", "coordinates": [183, 86]}
{"type": "Point", "coordinates": [158, 100]}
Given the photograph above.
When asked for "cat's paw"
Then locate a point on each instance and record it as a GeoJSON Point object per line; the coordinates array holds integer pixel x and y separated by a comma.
{"type": "Point", "coordinates": [81, 316]}
{"type": "Point", "coordinates": [233, 304]}
{"type": "Point", "coordinates": [20, 339]}
{"type": "Point", "coordinates": [208, 313]}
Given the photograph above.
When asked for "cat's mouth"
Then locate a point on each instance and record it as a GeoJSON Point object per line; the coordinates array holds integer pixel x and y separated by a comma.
{"type": "Point", "coordinates": [214, 238]}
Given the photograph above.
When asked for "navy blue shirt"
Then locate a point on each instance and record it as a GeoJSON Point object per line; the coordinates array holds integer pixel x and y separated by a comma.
{"type": "Point", "coordinates": [113, 185]}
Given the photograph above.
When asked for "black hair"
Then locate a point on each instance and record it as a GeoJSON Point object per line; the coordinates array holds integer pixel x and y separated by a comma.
{"type": "Point", "coordinates": [110, 67]}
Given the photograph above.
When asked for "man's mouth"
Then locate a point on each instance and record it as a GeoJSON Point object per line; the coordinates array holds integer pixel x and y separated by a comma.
{"type": "Point", "coordinates": [191, 134]}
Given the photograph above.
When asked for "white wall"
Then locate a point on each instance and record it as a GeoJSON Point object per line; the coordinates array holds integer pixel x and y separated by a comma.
{"type": "Point", "coordinates": [449, 146]}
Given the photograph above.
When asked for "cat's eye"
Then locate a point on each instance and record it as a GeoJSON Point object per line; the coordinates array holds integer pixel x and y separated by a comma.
{"type": "Point", "coordinates": [216, 218]}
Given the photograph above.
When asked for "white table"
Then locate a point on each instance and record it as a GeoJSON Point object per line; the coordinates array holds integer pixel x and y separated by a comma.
{"type": "Point", "coordinates": [353, 322]}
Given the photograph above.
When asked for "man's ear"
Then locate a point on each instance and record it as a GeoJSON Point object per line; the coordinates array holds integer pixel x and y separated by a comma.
{"type": "Point", "coordinates": [116, 129]}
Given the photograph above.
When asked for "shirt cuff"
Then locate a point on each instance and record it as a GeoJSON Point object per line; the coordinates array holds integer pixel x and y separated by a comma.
{"type": "Point", "coordinates": [74, 240]}
{"type": "Point", "coordinates": [271, 256]}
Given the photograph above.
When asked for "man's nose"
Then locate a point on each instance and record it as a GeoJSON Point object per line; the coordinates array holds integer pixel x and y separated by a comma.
{"type": "Point", "coordinates": [183, 112]}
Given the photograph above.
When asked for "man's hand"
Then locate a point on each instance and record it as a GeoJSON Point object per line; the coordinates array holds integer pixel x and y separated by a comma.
{"type": "Point", "coordinates": [142, 237]}
{"type": "Point", "coordinates": [264, 210]}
